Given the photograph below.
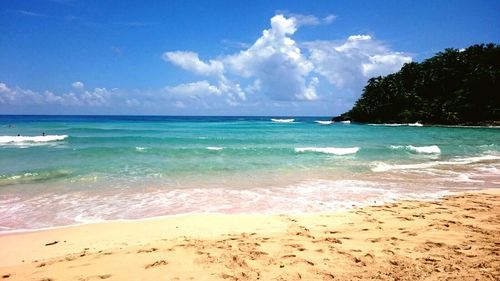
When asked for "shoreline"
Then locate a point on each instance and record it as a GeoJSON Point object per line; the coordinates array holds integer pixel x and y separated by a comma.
{"type": "Point", "coordinates": [424, 197]}
{"type": "Point", "coordinates": [369, 241]}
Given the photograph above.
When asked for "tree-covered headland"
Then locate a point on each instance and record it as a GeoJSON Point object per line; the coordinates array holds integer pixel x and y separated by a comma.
{"type": "Point", "coordinates": [453, 87]}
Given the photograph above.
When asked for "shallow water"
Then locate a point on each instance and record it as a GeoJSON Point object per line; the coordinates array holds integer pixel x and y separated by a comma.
{"type": "Point", "coordinates": [123, 167]}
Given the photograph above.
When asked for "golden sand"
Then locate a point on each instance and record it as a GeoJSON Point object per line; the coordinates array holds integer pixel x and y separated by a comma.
{"type": "Point", "coordinates": [457, 238]}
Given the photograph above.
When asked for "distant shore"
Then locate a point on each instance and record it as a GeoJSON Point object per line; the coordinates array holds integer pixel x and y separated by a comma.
{"type": "Point", "coordinates": [408, 240]}
{"type": "Point", "coordinates": [481, 124]}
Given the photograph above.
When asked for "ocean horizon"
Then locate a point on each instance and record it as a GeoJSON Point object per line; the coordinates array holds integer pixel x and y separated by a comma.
{"type": "Point", "coordinates": [58, 170]}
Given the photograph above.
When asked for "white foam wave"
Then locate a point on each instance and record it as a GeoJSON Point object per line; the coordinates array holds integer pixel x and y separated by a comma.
{"type": "Point", "coordinates": [488, 169]}
{"type": "Point", "coordinates": [416, 124]}
{"type": "Point", "coordinates": [464, 178]}
{"type": "Point", "coordinates": [323, 122]}
{"type": "Point", "coordinates": [282, 120]}
{"type": "Point", "coordinates": [140, 148]}
{"type": "Point", "coordinates": [346, 122]}
{"type": "Point", "coordinates": [80, 218]}
{"type": "Point", "coordinates": [305, 197]}
{"type": "Point", "coordinates": [28, 139]}
{"type": "Point", "coordinates": [329, 150]}
{"type": "Point", "coordinates": [384, 167]}
{"type": "Point", "coordinates": [214, 148]}
{"type": "Point", "coordinates": [431, 149]}
{"type": "Point", "coordinates": [25, 175]}
{"type": "Point", "coordinates": [393, 124]}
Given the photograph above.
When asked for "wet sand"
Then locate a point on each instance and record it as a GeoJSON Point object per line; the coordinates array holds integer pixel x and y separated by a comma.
{"type": "Point", "coordinates": [456, 238]}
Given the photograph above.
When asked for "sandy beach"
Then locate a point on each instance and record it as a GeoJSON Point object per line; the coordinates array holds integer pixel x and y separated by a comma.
{"type": "Point", "coordinates": [456, 238]}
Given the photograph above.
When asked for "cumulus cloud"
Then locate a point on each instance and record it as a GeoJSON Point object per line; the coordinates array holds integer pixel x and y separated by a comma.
{"type": "Point", "coordinates": [277, 67]}
{"type": "Point", "coordinates": [273, 74]}
{"type": "Point", "coordinates": [97, 97]}
{"type": "Point", "coordinates": [4, 88]}
{"type": "Point", "coordinates": [301, 19]}
{"type": "Point", "coordinates": [276, 62]}
{"type": "Point", "coordinates": [191, 62]}
{"type": "Point", "coordinates": [329, 19]}
{"type": "Point", "coordinates": [78, 85]}
{"type": "Point", "coordinates": [348, 64]}
{"type": "Point", "coordinates": [194, 89]}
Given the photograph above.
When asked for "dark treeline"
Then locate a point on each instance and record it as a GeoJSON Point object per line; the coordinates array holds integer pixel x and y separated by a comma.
{"type": "Point", "coordinates": [453, 87]}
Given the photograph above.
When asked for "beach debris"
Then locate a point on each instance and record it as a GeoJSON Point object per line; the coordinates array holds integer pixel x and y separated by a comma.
{"type": "Point", "coordinates": [52, 243]}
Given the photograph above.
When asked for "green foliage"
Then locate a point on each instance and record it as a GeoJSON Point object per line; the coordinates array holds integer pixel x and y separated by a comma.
{"type": "Point", "coordinates": [453, 87]}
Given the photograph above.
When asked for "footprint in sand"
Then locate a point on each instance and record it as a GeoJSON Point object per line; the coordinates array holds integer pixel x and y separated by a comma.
{"type": "Point", "coordinates": [156, 263]}
{"type": "Point", "coordinates": [302, 261]}
{"type": "Point", "coordinates": [328, 240]}
{"type": "Point", "coordinates": [102, 276]}
{"type": "Point", "coordinates": [299, 247]}
{"type": "Point", "coordinates": [364, 260]}
{"type": "Point", "coordinates": [147, 250]}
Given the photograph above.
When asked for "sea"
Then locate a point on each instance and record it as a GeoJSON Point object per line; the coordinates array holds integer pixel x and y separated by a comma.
{"type": "Point", "coordinates": [65, 170]}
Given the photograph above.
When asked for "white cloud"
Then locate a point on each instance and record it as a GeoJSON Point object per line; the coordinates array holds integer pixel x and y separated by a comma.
{"type": "Point", "coordinates": [275, 74]}
{"type": "Point", "coordinates": [213, 68]}
{"type": "Point", "coordinates": [383, 64]}
{"type": "Point", "coordinates": [194, 89]}
{"type": "Point", "coordinates": [19, 96]}
{"type": "Point", "coordinates": [304, 19]}
{"type": "Point", "coordinates": [191, 62]}
{"type": "Point", "coordinates": [276, 67]}
{"type": "Point", "coordinates": [348, 64]}
{"type": "Point", "coordinates": [301, 19]}
{"type": "Point", "coordinates": [4, 88]}
{"type": "Point", "coordinates": [226, 92]}
{"type": "Point", "coordinates": [78, 85]}
{"type": "Point", "coordinates": [276, 62]}
{"type": "Point", "coordinates": [329, 19]}
{"type": "Point", "coordinates": [272, 57]}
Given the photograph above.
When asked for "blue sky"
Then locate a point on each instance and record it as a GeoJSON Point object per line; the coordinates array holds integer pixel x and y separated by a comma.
{"type": "Point", "coordinates": [219, 57]}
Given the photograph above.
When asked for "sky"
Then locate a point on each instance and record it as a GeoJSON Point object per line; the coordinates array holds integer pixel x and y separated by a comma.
{"type": "Point", "coordinates": [279, 58]}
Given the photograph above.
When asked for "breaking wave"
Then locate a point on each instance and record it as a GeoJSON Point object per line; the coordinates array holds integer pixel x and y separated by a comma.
{"type": "Point", "coordinates": [282, 120]}
{"type": "Point", "coordinates": [214, 148]}
{"type": "Point", "coordinates": [323, 122]}
{"type": "Point", "coordinates": [30, 139]}
{"type": "Point", "coordinates": [329, 150]}
{"type": "Point", "coordinates": [384, 167]}
{"type": "Point", "coordinates": [431, 149]}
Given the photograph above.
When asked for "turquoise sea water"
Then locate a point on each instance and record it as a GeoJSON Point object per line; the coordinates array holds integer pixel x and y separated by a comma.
{"type": "Point", "coordinates": [91, 168]}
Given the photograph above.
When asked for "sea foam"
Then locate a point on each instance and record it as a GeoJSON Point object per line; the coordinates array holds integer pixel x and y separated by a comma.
{"type": "Point", "coordinates": [214, 148]}
{"type": "Point", "coordinates": [282, 120]}
{"type": "Point", "coordinates": [310, 196]}
{"type": "Point", "coordinates": [323, 122]}
{"type": "Point", "coordinates": [431, 149]}
{"type": "Point", "coordinates": [24, 139]}
{"type": "Point", "coordinates": [416, 124]}
{"type": "Point", "coordinates": [384, 167]}
{"type": "Point", "coordinates": [329, 150]}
